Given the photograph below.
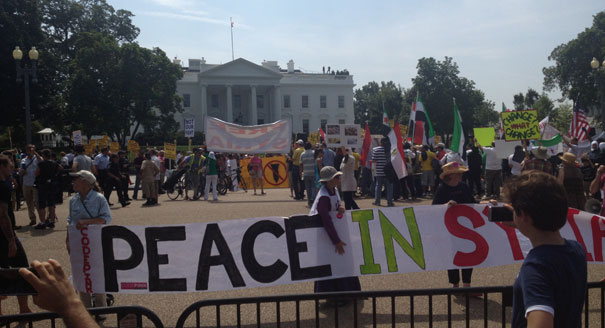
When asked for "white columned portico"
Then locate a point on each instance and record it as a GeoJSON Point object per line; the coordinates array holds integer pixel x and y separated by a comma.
{"type": "Point", "coordinates": [277, 104]}
{"type": "Point", "coordinates": [229, 104]}
{"type": "Point", "coordinates": [204, 106]}
{"type": "Point", "coordinates": [253, 110]}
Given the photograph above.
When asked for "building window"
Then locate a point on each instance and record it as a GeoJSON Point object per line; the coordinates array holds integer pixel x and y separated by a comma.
{"type": "Point", "coordinates": [341, 121]}
{"type": "Point", "coordinates": [214, 99]}
{"type": "Point", "coordinates": [260, 101]}
{"type": "Point", "coordinates": [305, 101]}
{"type": "Point", "coordinates": [237, 101]}
{"type": "Point", "coordinates": [186, 100]}
{"type": "Point", "coordinates": [306, 126]}
{"type": "Point", "coordinates": [322, 102]}
{"type": "Point", "coordinates": [287, 101]}
{"type": "Point", "coordinates": [261, 121]}
{"type": "Point", "coordinates": [323, 124]}
{"type": "Point", "coordinates": [341, 101]}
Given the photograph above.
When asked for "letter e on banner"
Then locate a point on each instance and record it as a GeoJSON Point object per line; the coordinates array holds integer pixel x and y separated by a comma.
{"type": "Point", "coordinates": [481, 251]}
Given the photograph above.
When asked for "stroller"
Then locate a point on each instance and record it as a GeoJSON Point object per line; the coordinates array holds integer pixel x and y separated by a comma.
{"type": "Point", "coordinates": [174, 178]}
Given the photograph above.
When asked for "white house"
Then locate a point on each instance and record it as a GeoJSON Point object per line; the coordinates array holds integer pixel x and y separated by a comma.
{"type": "Point", "coordinates": [246, 93]}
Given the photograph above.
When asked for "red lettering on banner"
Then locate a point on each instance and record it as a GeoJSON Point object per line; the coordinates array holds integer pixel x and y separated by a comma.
{"type": "Point", "coordinates": [281, 143]}
{"type": "Point", "coordinates": [85, 242]}
{"type": "Point", "coordinates": [597, 237]}
{"type": "Point", "coordinates": [219, 124]}
{"type": "Point", "coordinates": [574, 226]}
{"type": "Point", "coordinates": [215, 142]}
{"type": "Point", "coordinates": [235, 130]}
{"type": "Point", "coordinates": [262, 130]}
{"type": "Point", "coordinates": [455, 228]}
{"type": "Point", "coordinates": [513, 241]}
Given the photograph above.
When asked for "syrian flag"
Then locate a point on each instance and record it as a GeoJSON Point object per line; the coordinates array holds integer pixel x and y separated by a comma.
{"type": "Point", "coordinates": [421, 124]}
{"type": "Point", "coordinates": [458, 135]}
{"type": "Point", "coordinates": [397, 153]}
{"type": "Point", "coordinates": [367, 143]}
{"type": "Point", "coordinates": [552, 145]}
{"type": "Point", "coordinates": [385, 117]}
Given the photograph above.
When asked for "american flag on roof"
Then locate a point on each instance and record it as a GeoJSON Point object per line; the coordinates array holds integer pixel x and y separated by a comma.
{"type": "Point", "coordinates": [579, 123]}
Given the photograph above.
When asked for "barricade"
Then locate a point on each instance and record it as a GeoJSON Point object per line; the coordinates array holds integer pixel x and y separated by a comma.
{"type": "Point", "coordinates": [123, 316]}
{"type": "Point", "coordinates": [495, 304]}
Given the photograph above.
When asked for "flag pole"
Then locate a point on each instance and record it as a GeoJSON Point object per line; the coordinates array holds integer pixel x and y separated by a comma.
{"type": "Point", "coordinates": [232, 53]}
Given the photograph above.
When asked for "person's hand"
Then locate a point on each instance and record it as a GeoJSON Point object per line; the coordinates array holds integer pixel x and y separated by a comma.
{"type": "Point", "coordinates": [81, 224]}
{"type": "Point", "coordinates": [341, 210]}
{"type": "Point", "coordinates": [340, 247]}
{"type": "Point", "coordinates": [55, 292]}
{"type": "Point", "coordinates": [12, 249]}
{"type": "Point", "coordinates": [601, 170]}
{"type": "Point", "coordinates": [452, 203]}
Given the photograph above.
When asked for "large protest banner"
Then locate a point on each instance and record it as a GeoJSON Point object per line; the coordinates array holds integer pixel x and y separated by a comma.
{"type": "Point", "coordinates": [273, 251]}
{"type": "Point", "coordinates": [275, 172]}
{"type": "Point", "coordinates": [348, 135]}
{"type": "Point", "coordinates": [254, 139]}
{"type": "Point", "coordinates": [521, 125]}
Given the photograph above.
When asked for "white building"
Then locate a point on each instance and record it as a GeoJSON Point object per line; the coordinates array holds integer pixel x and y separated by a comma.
{"type": "Point", "coordinates": [249, 94]}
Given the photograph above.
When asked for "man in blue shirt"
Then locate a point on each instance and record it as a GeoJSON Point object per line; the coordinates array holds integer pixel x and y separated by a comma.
{"type": "Point", "coordinates": [551, 285]}
{"type": "Point", "coordinates": [27, 170]}
{"type": "Point", "coordinates": [100, 167]}
{"type": "Point", "coordinates": [329, 154]}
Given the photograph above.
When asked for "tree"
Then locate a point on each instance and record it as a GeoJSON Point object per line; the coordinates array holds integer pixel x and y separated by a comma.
{"type": "Point", "coordinates": [369, 100]}
{"type": "Point", "coordinates": [562, 117]}
{"type": "Point", "coordinates": [527, 101]}
{"type": "Point", "coordinates": [571, 72]}
{"type": "Point", "coordinates": [544, 107]}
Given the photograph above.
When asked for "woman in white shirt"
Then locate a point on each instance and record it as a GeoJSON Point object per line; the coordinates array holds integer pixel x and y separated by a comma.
{"type": "Point", "coordinates": [514, 160]}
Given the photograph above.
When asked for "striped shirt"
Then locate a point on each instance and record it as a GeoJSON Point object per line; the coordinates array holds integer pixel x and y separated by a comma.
{"type": "Point", "coordinates": [379, 157]}
{"type": "Point", "coordinates": [307, 159]}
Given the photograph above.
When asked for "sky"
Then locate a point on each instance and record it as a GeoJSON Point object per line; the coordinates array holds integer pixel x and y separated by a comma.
{"type": "Point", "coordinates": [501, 45]}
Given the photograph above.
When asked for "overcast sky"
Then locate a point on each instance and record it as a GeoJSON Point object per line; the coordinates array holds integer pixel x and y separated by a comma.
{"type": "Point", "coordinates": [501, 45]}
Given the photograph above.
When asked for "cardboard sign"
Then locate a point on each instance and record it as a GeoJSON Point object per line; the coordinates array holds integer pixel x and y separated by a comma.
{"type": "Point", "coordinates": [89, 148]}
{"type": "Point", "coordinates": [77, 136]}
{"type": "Point", "coordinates": [521, 125]}
{"type": "Point", "coordinates": [313, 138]}
{"type": "Point", "coordinates": [485, 136]}
{"type": "Point", "coordinates": [103, 142]}
{"type": "Point", "coordinates": [348, 135]}
{"type": "Point", "coordinates": [170, 150]}
{"type": "Point", "coordinates": [274, 138]}
{"type": "Point", "coordinates": [133, 146]}
{"type": "Point", "coordinates": [114, 147]}
{"type": "Point", "coordinates": [274, 251]}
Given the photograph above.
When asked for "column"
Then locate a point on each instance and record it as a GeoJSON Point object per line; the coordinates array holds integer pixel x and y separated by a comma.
{"type": "Point", "coordinates": [229, 104]}
{"type": "Point", "coordinates": [277, 103]}
{"type": "Point", "coordinates": [204, 106]}
{"type": "Point", "coordinates": [253, 109]}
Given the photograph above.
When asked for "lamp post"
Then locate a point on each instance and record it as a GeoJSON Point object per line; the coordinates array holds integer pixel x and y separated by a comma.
{"type": "Point", "coordinates": [599, 70]}
{"type": "Point", "coordinates": [24, 73]}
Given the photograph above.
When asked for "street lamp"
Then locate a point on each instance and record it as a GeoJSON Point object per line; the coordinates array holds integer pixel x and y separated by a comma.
{"type": "Point", "coordinates": [24, 73]}
{"type": "Point", "coordinates": [594, 63]}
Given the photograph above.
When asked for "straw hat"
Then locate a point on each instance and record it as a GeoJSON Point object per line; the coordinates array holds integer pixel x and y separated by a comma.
{"type": "Point", "coordinates": [568, 158]}
{"type": "Point", "coordinates": [451, 168]}
{"type": "Point", "coordinates": [328, 173]}
{"type": "Point", "coordinates": [540, 152]}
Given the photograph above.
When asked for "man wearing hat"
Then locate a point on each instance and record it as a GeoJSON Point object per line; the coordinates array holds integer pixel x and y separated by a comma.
{"type": "Point", "coordinates": [538, 161]}
{"type": "Point", "coordinates": [296, 170]}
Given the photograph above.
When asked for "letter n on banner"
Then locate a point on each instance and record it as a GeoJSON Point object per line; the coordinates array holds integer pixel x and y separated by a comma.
{"type": "Point", "coordinates": [390, 233]}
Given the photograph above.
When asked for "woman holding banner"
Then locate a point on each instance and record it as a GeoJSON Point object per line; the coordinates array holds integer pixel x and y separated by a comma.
{"type": "Point", "coordinates": [328, 200]}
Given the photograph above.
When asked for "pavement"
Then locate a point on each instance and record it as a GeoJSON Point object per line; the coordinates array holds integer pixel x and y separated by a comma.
{"type": "Point", "coordinates": [45, 244]}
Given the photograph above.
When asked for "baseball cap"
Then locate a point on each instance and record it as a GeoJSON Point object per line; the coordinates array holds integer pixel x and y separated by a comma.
{"type": "Point", "coordinates": [86, 175]}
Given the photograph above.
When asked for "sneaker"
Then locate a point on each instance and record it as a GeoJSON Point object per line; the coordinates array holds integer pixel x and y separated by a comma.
{"type": "Point", "coordinates": [390, 204]}
{"type": "Point", "coordinates": [375, 203]}
{"type": "Point", "coordinates": [124, 204]}
{"type": "Point", "coordinates": [51, 225]}
{"type": "Point", "coordinates": [40, 226]}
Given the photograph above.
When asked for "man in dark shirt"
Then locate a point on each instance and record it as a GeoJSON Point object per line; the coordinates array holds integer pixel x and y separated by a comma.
{"type": "Point", "coordinates": [138, 161]}
{"type": "Point", "coordinates": [114, 177]}
{"type": "Point", "coordinates": [551, 285]}
{"type": "Point", "coordinates": [124, 172]}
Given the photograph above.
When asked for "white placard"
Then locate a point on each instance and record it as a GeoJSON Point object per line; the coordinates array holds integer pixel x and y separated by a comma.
{"type": "Point", "coordinates": [77, 136]}
{"type": "Point", "coordinates": [189, 127]}
{"type": "Point", "coordinates": [348, 135]}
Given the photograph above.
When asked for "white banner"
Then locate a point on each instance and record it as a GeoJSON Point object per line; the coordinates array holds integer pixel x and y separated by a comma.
{"type": "Point", "coordinates": [189, 127]}
{"type": "Point", "coordinates": [347, 135]}
{"type": "Point", "coordinates": [273, 251]}
{"type": "Point", "coordinates": [273, 138]}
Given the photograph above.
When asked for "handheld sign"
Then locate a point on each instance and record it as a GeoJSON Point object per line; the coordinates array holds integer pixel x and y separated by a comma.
{"type": "Point", "coordinates": [521, 125]}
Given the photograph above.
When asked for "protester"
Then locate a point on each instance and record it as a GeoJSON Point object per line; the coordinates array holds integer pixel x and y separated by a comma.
{"type": "Point", "coordinates": [124, 173]}
{"type": "Point", "coordinates": [138, 162]}
{"type": "Point", "coordinates": [329, 154]}
{"type": "Point", "coordinates": [211, 176]}
{"type": "Point", "coordinates": [426, 165]}
{"type": "Point", "coordinates": [232, 168]}
{"type": "Point", "coordinates": [28, 173]}
{"type": "Point", "coordinates": [192, 177]}
{"type": "Point", "coordinates": [348, 183]}
{"type": "Point", "coordinates": [115, 178]}
{"type": "Point", "coordinates": [594, 151]}
{"type": "Point", "coordinates": [515, 160]}
{"type": "Point", "coordinates": [47, 183]}
{"type": "Point", "coordinates": [338, 159]}
{"type": "Point", "coordinates": [87, 207]}
{"type": "Point", "coordinates": [148, 172]}
{"type": "Point", "coordinates": [296, 180]}
{"type": "Point", "coordinates": [571, 178]}
{"type": "Point", "coordinates": [357, 157]}
{"type": "Point", "coordinates": [12, 253]}
{"type": "Point", "coordinates": [328, 200]}
{"type": "Point", "coordinates": [588, 173]}
{"type": "Point", "coordinates": [156, 160]}
{"type": "Point", "coordinates": [537, 161]}
{"type": "Point", "coordinates": [407, 183]}
{"type": "Point", "coordinates": [100, 169]}
{"type": "Point", "coordinates": [475, 169]}
{"type": "Point", "coordinates": [162, 171]}
{"type": "Point", "coordinates": [493, 172]}
{"type": "Point", "coordinates": [453, 192]}
{"type": "Point", "coordinates": [576, 147]}
{"type": "Point", "coordinates": [307, 167]}
{"type": "Point", "coordinates": [551, 286]}
{"type": "Point", "coordinates": [598, 184]}
{"type": "Point", "coordinates": [255, 169]}
{"type": "Point", "coordinates": [55, 293]}
{"type": "Point", "coordinates": [319, 153]}
{"type": "Point", "coordinates": [289, 166]}
{"type": "Point", "coordinates": [81, 160]}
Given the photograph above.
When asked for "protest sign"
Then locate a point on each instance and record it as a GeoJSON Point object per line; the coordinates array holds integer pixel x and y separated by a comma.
{"type": "Point", "coordinates": [189, 127]}
{"type": "Point", "coordinates": [103, 142]}
{"type": "Point", "coordinates": [275, 172]}
{"type": "Point", "coordinates": [133, 146]}
{"type": "Point", "coordinates": [114, 147]}
{"type": "Point", "coordinates": [254, 139]}
{"type": "Point", "coordinates": [485, 136]}
{"type": "Point", "coordinates": [313, 138]}
{"type": "Point", "coordinates": [77, 136]}
{"type": "Point", "coordinates": [521, 125]}
{"type": "Point", "coordinates": [170, 150]}
{"type": "Point", "coordinates": [89, 148]}
{"type": "Point", "coordinates": [348, 135]}
{"type": "Point", "coordinates": [274, 251]}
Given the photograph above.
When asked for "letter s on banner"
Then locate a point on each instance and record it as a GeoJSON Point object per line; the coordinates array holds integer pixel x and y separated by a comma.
{"type": "Point", "coordinates": [481, 251]}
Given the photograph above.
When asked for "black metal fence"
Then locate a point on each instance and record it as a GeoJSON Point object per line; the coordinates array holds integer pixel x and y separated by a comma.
{"type": "Point", "coordinates": [483, 306]}
{"type": "Point", "coordinates": [117, 316]}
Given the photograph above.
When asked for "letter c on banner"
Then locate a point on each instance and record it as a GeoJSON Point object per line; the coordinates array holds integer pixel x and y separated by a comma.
{"type": "Point", "coordinates": [481, 251]}
{"type": "Point", "coordinates": [260, 273]}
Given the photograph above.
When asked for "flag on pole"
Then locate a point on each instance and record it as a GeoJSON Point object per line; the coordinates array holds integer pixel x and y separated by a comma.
{"type": "Point", "coordinates": [458, 135]}
{"type": "Point", "coordinates": [579, 124]}
{"type": "Point", "coordinates": [367, 143]}
{"type": "Point", "coordinates": [385, 117]}
{"type": "Point", "coordinates": [322, 135]}
{"type": "Point", "coordinates": [397, 153]}
{"type": "Point", "coordinates": [421, 123]}
{"type": "Point", "coordinates": [504, 108]}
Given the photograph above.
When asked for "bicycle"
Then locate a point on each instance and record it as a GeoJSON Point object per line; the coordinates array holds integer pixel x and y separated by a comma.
{"type": "Point", "coordinates": [240, 180]}
{"type": "Point", "coordinates": [178, 190]}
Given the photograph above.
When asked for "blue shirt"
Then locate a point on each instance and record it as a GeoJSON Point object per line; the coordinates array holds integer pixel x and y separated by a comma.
{"type": "Point", "coordinates": [29, 165]}
{"type": "Point", "coordinates": [328, 159]}
{"type": "Point", "coordinates": [552, 279]}
{"type": "Point", "coordinates": [101, 162]}
{"type": "Point", "coordinates": [95, 203]}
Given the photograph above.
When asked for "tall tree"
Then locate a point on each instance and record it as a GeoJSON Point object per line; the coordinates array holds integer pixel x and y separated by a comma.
{"type": "Point", "coordinates": [369, 100]}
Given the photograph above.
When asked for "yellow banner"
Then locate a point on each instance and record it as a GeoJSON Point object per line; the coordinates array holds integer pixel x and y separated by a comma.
{"type": "Point", "coordinates": [88, 148]}
{"type": "Point", "coordinates": [133, 146]}
{"type": "Point", "coordinates": [114, 147]}
{"type": "Point", "coordinates": [103, 142]}
{"type": "Point", "coordinates": [275, 172]}
{"type": "Point", "coordinates": [485, 136]}
{"type": "Point", "coordinates": [170, 150]}
{"type": "Point", "coordinates": [313, 138]}
{"type": "Point", "coordinates": [93, 143]}
{"type": "Point", "coordinates": [521, 125]}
